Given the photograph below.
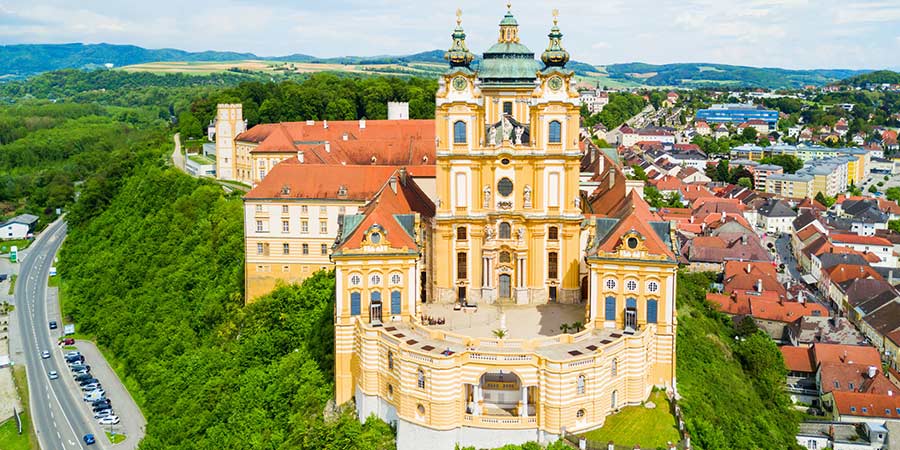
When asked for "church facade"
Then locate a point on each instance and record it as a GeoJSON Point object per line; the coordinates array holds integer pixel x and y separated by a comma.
{"type": "Point", "coordinates": [508, 232]}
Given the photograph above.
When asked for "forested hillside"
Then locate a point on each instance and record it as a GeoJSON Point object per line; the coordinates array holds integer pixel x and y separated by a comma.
{"type": "Point", "coordinates": [732, 383]}
{"type": "Point", "coordinates": [156, 276]}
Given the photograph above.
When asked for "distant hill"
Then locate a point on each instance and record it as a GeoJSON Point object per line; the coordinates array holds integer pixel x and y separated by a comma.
{"type": "Point", "coordinates": [19, 61]}
{"type": "Point", "coordinates": [877, 77]}
{"type": "Point", "coordinates": [705, 75]}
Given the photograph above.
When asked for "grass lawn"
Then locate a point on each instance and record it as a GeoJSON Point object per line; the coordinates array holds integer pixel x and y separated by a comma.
{"type": "Point", "coordinates": [115, 438]}
{"type": "Point", "coordinates": [21, 244]}
{"type": "Point", "coordinates": [637, 425]}
{"type": "Point", "coordinates": [10, 439]}
{"type": "Point", "coordinates": [200, 159]}
{"type": "Point", "coordinates": [21, 381]}
{"type": "Point", "coordinates": [12, 284]}
{"type": "Point", "coordinates": [53, 281]}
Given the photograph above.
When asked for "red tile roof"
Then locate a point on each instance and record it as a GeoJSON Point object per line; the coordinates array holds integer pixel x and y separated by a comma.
{"type": "Point", "coordinates": [390, 142]}
{"type": "Point", "coordinates": [853, 378]}
{"type": "Point", "coordinates": [860, 240]}
{"type": "Point", "coordinates": [843, 272]}
{"type": "Point", "coordinates": [798, 359]}
{"type": "Point", "coordinates": [317, 181]}
{"type": "Point", "coordinates": [847, 354]}
{"type": "Point", "coordinates": [744, 276]}
{"type": "Point", "coordinates": [875, 405]}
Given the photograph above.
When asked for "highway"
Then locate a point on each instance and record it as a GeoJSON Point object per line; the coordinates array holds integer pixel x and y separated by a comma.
{"type": "Point", "coordinates": [59, 419]}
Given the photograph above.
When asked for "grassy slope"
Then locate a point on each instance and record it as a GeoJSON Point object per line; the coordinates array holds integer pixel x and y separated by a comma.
{"type": "Point", "coordinates": [637, 425]}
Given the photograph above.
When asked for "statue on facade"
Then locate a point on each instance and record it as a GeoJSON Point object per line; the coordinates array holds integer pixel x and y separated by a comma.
{"type": "Point", "coordinates": [577, 202]}
{"type": "Point", "coordinates": [487, 197]}
{"type": "Point", "coordinates": [488, 233]}
{"type": "Point", "coordinates": [527, 196]}
{"type": "Point", "coordinates": [507, 131]}
{"type": "Point", "coordinates": [492, 135]}
{"type": "Point", "coordinates": [520, 233]}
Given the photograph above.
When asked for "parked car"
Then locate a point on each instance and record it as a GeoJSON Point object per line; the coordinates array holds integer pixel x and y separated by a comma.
{"type": "Point", "coordinates": [82, 371]}
{"type": "Point", "coordinates": [109, 420]}
{"type": "Point", "coordinates": [73, 353]}
{"type": "Point", "coordinates": [53, 327]}
{"type": "Point", "coordinates": [104, 401]}
{"type": "Point", "coordinates": [89, 439]}
{"type": "Point", "coordinates": [45, 354]}
{"type": "Point", "coordinates": [52, 374]}
{"type": "Point", "coordinates": [90, 387]}
{"type": "Point", "coordinates": [74, 360]}
{"type": "Point", "coordinates": [102, 407]}
{"type": "Point", "coordinates": [67, 341]}
{"type": "Point", "coordinates": [3, 277]}
{"type": "Point", "coordinates": [83, 376]}
{"type": "Point", "coordinates": [92, 396]}
{"type": "Point", "coordinates": [103, 413]}
{"type": "Point", "coordinates": [87, 381]}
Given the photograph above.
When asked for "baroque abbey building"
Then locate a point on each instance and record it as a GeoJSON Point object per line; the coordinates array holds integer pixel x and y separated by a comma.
{"type": "Point", "coordinates": [514, 297]}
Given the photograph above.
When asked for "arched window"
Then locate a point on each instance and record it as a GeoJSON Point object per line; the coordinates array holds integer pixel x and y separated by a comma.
{"type": "Point", "coordinates": [579, 385]}
{"type": "Point", "coordinates": [555, 132]}
{"type": "Point", "coordinates": [459, 132]}
{"type": "Point", "coordinates": [614, 400]}
{"type": "Point", "coordinates": [420, 379]}
{"type": "Point", "coordinates": [553, 265]}
{"type": "Point", "coordinates": [395, 302]}
{"type": "Point", "coordinates": [652, 306]}
{"type": "Point", "coordinates": [461, 234]}
{"type": "Point", "coordinates": [580, 414]}
{"type": "Point", "coordinates": [631, 314]}
{"type": "Point", "coordinates": [390, 360]}
{"type": "Point", "coordinates": [354, 303]}
{"type": "Point", "coordinates": [553, 234]}
{"type": "Point", "coordinates": [614, 367]}
{"type": "Point", "coordinates": [505, 230]}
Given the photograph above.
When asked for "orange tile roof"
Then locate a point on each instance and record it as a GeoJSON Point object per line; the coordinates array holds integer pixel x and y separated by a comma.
{"type": "Point", "coordinates": [853, 377]}
{"type": "Point", "coordinates": [389, 142]}
{"type": "Point", "coordinates": [784, 311]}
{"type": "Point", "coordinates": [848, 354]}
{"type": "Point", "coordinates": [728, 304]}
{"type": "Point", "coordinates": [635, 215]}
{"type": "Point", "coordinates": [744, 276]}
{"type": "Point", "coordinates": [667, 183]}
{"type": "Point", "coordinates": [317, 181]}
{"type": "Point", "coordinates": [843, 272]}
{"type": "Point", "coordinates": [860, 240]}
{"type": "Point", "coordinates": [807, 233]}
{"type": "Point", "coordinates": [875, 405]}
{"type": "Point", "coordinates": [798, 359]}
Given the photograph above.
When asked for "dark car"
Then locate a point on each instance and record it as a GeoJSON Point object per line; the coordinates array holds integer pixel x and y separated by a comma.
{"type": "Point", "coordinates": [88, 381]}
{"type": "Point", "coordinates": [74, 359]}
{"type": "Point", "coordinates": [3, 277]}
{"type": "Point", "coordinates": [53, 327]}
{"type": "Point", "coordinates": [84, 376]}
{"type": "Point", "coordinates": [101, 408]}
{"type": "Point", "coordinates": [89, 439]}
{"type": "Point", "coordinates": [101, 402]}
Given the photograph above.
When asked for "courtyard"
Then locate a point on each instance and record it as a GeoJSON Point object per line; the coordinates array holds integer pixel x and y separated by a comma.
{"type": "Point", "coordinates": [519, 321]}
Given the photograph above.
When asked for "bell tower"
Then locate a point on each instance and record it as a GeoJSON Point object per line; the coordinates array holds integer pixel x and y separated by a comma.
{"type": "Point", "coordinates": [509, 210]}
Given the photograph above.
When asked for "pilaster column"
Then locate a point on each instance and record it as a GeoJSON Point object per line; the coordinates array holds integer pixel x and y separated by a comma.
{"type": "Point", "coordinates": [524, 393]}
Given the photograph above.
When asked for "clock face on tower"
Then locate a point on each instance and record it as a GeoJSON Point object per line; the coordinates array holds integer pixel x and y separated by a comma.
{"type": "Point", "coordinates": [555, 83]}
{"type": "Point", "coordinates": [460, 83]}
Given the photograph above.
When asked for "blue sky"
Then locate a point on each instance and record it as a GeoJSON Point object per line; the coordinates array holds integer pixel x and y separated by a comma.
{"type": "Point", "coordinates": [774, 33]}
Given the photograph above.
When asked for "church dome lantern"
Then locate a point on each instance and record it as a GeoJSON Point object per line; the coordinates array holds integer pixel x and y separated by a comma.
{"type": "Point", "coordinates": [459, 54]}
{"type": "Point", "coordinates": [555, 55]}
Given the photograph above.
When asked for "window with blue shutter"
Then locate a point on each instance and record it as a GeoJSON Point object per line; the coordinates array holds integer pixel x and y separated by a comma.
{"type": "Point", "coordinates": [375, 297]}
{"type": "Point", "coordinates": [651, 311]}
{"type": "Point", "coordinates": [631, 303]}
{"type": "Point", "coordinates": [610, 308]}
{"type": "Point", "coordinates": [395, 302]}
{"type": "Point", "coordinates": [354, 303]}
{"type": "Point", "coordinates": [555, 132]}
{"type": "Point", "coordinates": [459, 132]}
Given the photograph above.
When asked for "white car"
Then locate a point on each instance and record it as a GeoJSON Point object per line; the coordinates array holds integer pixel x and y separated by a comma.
{"type": "Point", "coordinates": [68, 354]}
{"type": "Point", "coordinates": [52, 374]}
{"type": "Point", "coordinates": [108, 420]}
{"type": "Point", "coordinates": [45, 354]}
{"type": "Point", "coordinates": [94, 395]}
{"type": "Point", "coordinates": [104, 413]}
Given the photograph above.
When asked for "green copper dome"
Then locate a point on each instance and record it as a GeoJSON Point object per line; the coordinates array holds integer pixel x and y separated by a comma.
{"type": "Point", "coordinates": [509, 20]}
{"type": "Point", "coordinates": [508, 62]}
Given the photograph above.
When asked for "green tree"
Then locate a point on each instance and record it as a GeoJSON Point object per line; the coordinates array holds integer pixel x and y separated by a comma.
{"type": "Point", "coordinates": [189, 126]}
{"type": "Point", "coordinates": [340, 109]}
{"type": "Point", "coordinates": [745, 182]}
{"type": "Point", "coordinates": [892, 193]}
{"type": "Point", "coordinates": [825, 200]}
{"type": "Point", "coordinates": [749, 134]}
{"type": "Point", "coordinates": [790, 163]}
{"type": "Point", "coordinates": [872, 189]}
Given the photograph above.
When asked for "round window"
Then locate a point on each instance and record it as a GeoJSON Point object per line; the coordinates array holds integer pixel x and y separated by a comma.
{"type": "Point", "coordinates": [632, 243]}
{"type": "Point", "coordinates": [395, 279]}
{"type": "Point", "coordinates": [376, 238]}
{"type": "Point", "coordinates": [610, 284]}
{"type": "Point", "coordinates": [580, 413]}
{"type": "Point", "coordinates": [505, 187]}
{"type": "Point", "coordinates": [355, 280]}
{"type": "Point", "coordinates": [420, 409]}
{"type": "Point", "coordinates": [375, 280]}
{"type": "Point", "coordinates": [631, 285]}
{"type": "Point", "coordinates": [652, 286]}
{"type": "Point", "coordinates": [504, 161]}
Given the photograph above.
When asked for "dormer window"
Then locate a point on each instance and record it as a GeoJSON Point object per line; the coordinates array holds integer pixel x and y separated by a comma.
{"type": "Point", "coordinates": [285, 190]}
{"type": "Point", "coordinates": [342, 191]}
{"type": "Point", "coordinates": [375, 238]}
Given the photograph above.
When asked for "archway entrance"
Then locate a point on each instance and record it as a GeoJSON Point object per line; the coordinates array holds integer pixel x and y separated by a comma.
{"type": "Point", "coordinates": [500, 394]}
{"type": "Point", "coordinates": [505, 285]}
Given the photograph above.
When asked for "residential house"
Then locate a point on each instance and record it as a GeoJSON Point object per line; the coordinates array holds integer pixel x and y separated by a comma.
{"type": "Point", "coordinates": [18, 227]}
{"type": "Point", "coordinates": [776, 216]}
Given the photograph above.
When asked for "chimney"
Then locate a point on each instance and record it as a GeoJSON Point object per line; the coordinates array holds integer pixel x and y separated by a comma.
{"type": "Point", "coordinates": [692, 219]}
{"type": "Point", "coordinates": [800, 297]}
{"type": "Point", "coordinates": [325, 124]}
{"type": "Point", "coordinates": [393, 183]}
{"type": "Point", "coordinates": [362, 123]}
{"type": "Point", "coordinates": [327, 147]}
{"type": "Point", "coordinates": [891, 277]}
{"type": "Point", "coordinates": [346, 136]}
{"type": "Point", "coordinates": [374, 159]}
{"type": "Point", "coordinates": [310, 122]}
{"type": "Point", "coordinates": [403, 176]}
{"type": "Point", "coordinates": [723, 217]}
{"type": "Point", "coordinates": [872, 372]}
{"type": "Point", "coordinates": [300, 156]}
{"type": "Point", "coordinates": [748, 267]}
{"type": "Point", "coordinates": [759, 286]}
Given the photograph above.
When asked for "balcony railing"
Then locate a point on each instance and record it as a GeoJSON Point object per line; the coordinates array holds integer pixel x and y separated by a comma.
{"type": "Point", "coordinates": [500, 422]}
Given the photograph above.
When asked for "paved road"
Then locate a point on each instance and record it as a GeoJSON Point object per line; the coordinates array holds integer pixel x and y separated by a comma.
{"type": "Point", "coordinates": [177, 156]}
{"type": "Point", "coordinates": [59, 420]}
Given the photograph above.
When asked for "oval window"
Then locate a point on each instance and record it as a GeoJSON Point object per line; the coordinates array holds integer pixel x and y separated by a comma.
{"type": "Point", "coordinates": [376, 238]}
{"type": "Point", "coordinates": [632, 243]}
{"type": "Point", "coordinates": [505, 187]}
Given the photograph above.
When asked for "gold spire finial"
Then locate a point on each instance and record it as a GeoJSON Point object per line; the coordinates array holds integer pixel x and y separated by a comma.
{"type": "Point", "coordinates": [508, 6]}
{"type": "Point", "coordinates": [555, 16]}
{"type": "Point", "coordinates": [459, 16]}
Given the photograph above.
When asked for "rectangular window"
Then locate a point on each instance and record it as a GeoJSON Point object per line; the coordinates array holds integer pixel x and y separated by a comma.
{"type": "Point", "coordinates": [553, 190]}
{"type": "Point", "coordinates": [459, 132]}
{"type": "Point", "coordinates": [461, 269]}
{"type": "Point", "coordinates": [259, 208]}
{"type": "Point", "coordinates": [304, 209]}
{"type": "Point", "coordinates": [305, 249]}
{"type": "Point", "coordinates": [304, 226]}
{"type": "Point", "coordinates": [507, 108]}
{"type": "Point", "coordinates": [262, 173]}
{"type": "Point", "coordinates": [259, 248]}
{"type": "Point", "coordinates": [285, 226]}
{"type": "Point", "coordinates": [286, 248]}
{"type": "Point", "coordinates": [342, 210]}
{"type": "Point", "coordinates": [324, 249]}
{"type": "Point", "coordinates": [552, 265]}
{"type": "Point", "coordinates": [610, 308]}
{"type": "Point", "coordinates": [285, 269]}
{"type": "Point", "coordinates": [354, 303]}
{"type": "Point", "coordinates": [395, 302]}
{"type": "Point", "coordinates": [284, 209]}
{"type": "Point", "coordinates": [652, 307]}
{"type": "Point", "coordinates": [323, 226]}
{"type": "Point", "coordinates": [259, 226]}
{"type": "Point", "coordinates": [323, 210]}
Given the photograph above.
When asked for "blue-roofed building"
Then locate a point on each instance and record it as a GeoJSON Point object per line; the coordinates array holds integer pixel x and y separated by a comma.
{"type": "Point", "coordinates": [737, 113]}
